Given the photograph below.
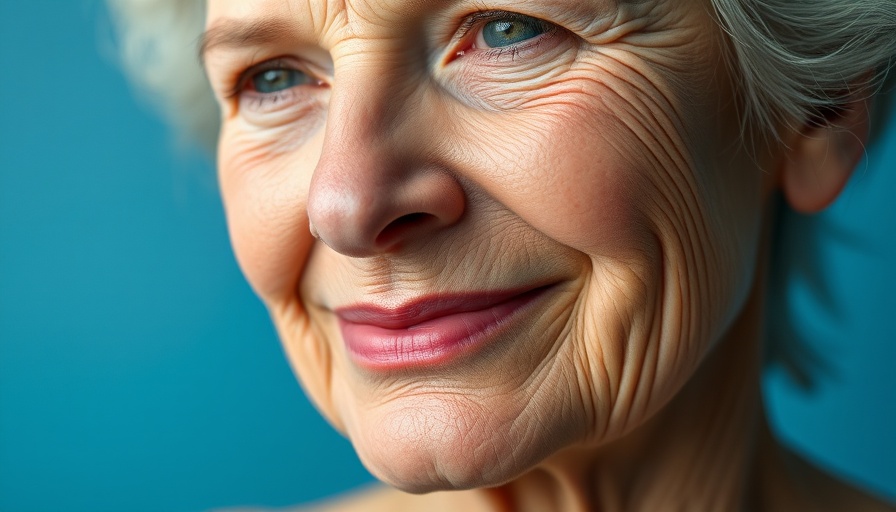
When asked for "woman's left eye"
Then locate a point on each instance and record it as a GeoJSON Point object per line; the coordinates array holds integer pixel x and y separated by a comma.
{"type": "Point", "coordinates": [503, 32]}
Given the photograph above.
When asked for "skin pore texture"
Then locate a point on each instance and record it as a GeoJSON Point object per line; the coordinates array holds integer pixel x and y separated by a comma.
{"type": "Point", "coordinates": [600, 161]}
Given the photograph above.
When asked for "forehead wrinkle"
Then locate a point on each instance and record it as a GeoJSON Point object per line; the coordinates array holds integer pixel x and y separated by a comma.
{"type": "Point", "coordinates": [270, 25]}
{"type": "Point", "coordinates": [332, 10]}
{"type": "Point", "coordinates": [389, 11]}
{"type": "Point", "coordinates": [349, 17]}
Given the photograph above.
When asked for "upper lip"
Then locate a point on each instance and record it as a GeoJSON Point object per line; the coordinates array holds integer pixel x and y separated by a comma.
{"type": "Point", "coordinates": [428, 307]}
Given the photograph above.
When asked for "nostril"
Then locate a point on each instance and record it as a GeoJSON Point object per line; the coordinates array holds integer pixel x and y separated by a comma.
{"type": "Point", "coordinates": [401, 226]}
{"type": "Point", "coordinates": [367, 207]}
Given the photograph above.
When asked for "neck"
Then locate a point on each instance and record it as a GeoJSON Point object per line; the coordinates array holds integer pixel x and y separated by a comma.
{"type": "Point", "coordinates": [702, 452]}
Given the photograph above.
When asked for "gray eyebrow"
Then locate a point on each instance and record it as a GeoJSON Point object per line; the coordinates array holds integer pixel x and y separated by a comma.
{"type": "Point", "coordinates": [231, 33]}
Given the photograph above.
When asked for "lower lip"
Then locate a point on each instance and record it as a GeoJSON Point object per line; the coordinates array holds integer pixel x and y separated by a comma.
{"type": "Point", "coordinates": [433, 342]}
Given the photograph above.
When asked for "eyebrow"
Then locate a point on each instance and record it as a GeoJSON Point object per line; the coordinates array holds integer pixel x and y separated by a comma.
{"type": "Point", "coordinates": [231, 33]}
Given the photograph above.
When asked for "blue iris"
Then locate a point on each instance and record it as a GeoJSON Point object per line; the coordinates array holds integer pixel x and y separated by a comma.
{"type": "Point", "coordinates": [275, 80]}
{"type": "Point", "coordinates": [505, 32]}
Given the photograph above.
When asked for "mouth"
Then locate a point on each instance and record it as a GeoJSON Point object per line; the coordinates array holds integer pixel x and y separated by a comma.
{"type": "Point", "coordinates": [430, 330]}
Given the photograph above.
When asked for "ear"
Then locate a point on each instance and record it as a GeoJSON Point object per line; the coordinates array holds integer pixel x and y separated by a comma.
{"type": "Point", "coordinates": [820, 158]}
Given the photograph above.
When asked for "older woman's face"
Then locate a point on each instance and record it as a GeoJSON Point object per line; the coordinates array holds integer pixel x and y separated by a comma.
{"type": "Point", "coordinates": [534, 218]}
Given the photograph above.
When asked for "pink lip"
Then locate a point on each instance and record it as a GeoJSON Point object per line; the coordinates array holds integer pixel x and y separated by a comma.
{"type": "Point", "coordinates": [429, 330]}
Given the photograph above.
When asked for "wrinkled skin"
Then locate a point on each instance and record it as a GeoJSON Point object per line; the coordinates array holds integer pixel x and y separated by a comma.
{"type": "Point", "coordinates": [603, 158]}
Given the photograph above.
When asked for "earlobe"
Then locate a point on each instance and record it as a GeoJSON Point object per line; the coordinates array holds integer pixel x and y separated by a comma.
{"type": "Point", "coordinates": [820, 159]}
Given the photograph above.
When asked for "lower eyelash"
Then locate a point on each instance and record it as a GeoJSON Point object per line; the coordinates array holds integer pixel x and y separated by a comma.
{"type": "Point", "coordinates": [265, 100]}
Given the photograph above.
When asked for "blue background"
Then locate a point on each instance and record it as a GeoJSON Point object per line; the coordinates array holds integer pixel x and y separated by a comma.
{"type": "Point", "coordinates": [138, 372]}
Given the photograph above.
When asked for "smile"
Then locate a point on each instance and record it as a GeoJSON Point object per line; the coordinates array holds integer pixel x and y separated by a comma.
{"type": "Point", "coordinates": [430, 330]}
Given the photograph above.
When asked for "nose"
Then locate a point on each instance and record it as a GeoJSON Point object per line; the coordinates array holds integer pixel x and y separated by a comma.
{"type": "Point", "coordinates": [374, 189]}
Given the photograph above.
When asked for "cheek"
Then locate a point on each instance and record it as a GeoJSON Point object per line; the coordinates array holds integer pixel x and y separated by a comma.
{"type": "Point", "coordinates": [578, 166]}
{"type": "Point", "coordinates": [265, 192]}
{"type": "Point", "coordinates": [617, 170]}
{"type": "Point", "coordinates": [582, 195]}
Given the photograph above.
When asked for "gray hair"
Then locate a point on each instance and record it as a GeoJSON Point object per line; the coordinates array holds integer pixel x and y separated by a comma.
{"type": "Point", "coordinates": [156, 46]}
{"type": "Point", "coordinates": [805, 60]}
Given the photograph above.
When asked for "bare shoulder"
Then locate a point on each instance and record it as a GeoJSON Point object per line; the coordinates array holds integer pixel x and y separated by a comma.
{"type": "Point", "coordinates": [387, 499]}
{"type": "Point", "coordinates": [383, 499]}
{"type": "Point", "coordinates": [371, 499]}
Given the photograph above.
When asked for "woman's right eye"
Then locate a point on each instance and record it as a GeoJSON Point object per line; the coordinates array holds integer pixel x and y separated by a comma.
{"type": "Point", "coordinates": [278, 79]}
{"type": "Point", "coordinates": [275, 85]}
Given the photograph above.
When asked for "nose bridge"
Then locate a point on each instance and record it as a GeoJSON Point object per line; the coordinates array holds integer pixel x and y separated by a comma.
{"type": "Point", "coordinates": [371, 96]}
{"type": "Point", "coordinates": [359, 158]}
{"type": "Point", "coordinates": [373, 185]}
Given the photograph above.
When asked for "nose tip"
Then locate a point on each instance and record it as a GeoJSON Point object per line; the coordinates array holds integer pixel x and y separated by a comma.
{"type": "Point", "coordinates": [367, 213]}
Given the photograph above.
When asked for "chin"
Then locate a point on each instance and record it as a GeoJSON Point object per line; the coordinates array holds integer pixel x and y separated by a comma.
{"type": "Point", "coordinates": [447, 442]}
